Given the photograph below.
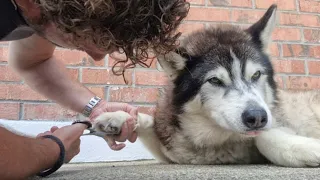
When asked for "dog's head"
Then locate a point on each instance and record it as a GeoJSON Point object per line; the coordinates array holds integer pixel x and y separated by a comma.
{"type": "Point", "coordinates": [226, 74]}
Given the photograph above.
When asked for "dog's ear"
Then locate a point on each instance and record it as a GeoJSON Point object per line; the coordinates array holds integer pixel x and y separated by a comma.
{"type": "Point", "coordinates": [173, 62]}
{"type": "Point", "coordinates": [261, 31]}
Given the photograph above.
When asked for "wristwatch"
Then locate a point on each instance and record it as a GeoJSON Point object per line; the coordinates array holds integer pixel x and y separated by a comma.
{"type": "Point", "coordinates": [89, 107]}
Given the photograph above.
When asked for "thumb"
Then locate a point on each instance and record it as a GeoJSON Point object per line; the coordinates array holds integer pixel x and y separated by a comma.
{"type": "Point", "coordinates": [77, 129]}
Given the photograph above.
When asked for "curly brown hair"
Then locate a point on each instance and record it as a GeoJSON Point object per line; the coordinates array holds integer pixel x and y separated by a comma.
{"type": "Point", "coordinates": [136, 27]}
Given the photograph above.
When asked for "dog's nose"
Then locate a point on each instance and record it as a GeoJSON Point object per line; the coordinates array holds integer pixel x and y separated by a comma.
{"type": "Point", "coordinates": [255, 118]}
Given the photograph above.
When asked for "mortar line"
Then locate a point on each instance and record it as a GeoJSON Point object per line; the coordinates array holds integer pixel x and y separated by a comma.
{"type": "Point", "coordinates": [284, 81]}
{"type": "Point", "coordinates": [27, 102]}
{"type": "Point", "coordinates": [298, 6]}
{"type": "Point", "coordinates": [107, 93]}
{"type": "Point", "coordinates": [21, 111]}
{"type": "Point", "coordinates": [306, 68]}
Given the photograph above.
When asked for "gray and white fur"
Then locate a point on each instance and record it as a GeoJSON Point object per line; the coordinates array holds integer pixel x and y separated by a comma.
{"type": "Point", "coordinates": [222, 105]}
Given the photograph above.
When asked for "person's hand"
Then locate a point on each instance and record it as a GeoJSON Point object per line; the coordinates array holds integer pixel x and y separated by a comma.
{"type": "Point", "coordinates": [127, 131]}
{"type": "Point", "coordinates": [70, 137]}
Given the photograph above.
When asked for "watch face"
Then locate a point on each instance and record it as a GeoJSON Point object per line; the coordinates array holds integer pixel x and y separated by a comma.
{"type": "Point", "coordinates": [92, 103]}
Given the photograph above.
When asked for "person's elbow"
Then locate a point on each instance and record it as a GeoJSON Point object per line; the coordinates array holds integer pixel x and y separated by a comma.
{"type": "Point", "coordinates": [29, 52]}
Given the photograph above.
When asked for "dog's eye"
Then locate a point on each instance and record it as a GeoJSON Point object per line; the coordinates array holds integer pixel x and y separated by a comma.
{"type": "Point", "coordinates": [216, 81]}
{"type": "Point", "coordinates": [256, 76]}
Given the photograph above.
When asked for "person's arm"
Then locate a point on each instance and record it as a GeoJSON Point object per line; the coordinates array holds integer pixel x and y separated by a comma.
{"type": "Point", "coordinates": [33, 59]}
{"type": "Point", "coordinates": [22, 157]}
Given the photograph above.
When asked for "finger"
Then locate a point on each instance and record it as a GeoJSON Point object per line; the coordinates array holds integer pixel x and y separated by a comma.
{"type": "Point", "coordinates": [133, 112]}
{"type": "Point", "coordinates": [54, 128]}
{"type": "Point", "coordinates": [131, 125]}
{"type": "Point", "coordinates": [77, 129]}
{"type": "Point", "coordinates": [113, 145]}
{"type": "Point", "coordinates": [39, 135]}
{"type": "Point", "coordinates": [47, 133]}
{"type": "Point", "coordinates": [133, 137]}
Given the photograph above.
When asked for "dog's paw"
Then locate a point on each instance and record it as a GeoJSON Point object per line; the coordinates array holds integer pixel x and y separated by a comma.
{"type": "Point", "coordinates": [110, 122]}
{"type": "Point", "coordinates": [301, 154]}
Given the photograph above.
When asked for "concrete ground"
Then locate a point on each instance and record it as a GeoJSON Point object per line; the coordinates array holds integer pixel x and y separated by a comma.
{"type": "Point", "coordinates": [150, 170]}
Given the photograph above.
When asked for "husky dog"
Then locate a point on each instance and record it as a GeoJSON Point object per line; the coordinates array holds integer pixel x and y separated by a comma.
{"type": "Point", "coordinates": [222, 106]}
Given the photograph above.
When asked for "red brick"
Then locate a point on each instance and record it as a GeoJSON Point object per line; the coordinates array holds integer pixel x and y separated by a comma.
{"type": "Point", "coordinates": [73, 73]}
{"type": "Point", "coordinates": [279, 81]}
{"type": "Point", "coordinates": [303, 83]}
{"type": "Point", "coordinates": [7, 74]}
{"type": "Point", "coordinates": [190, 27]}
{"type": "Point", "coordinates": [312, 35]}
{"type": "Point", "coordinates": [295, 50]}
{"type": "Point", "coordinates": [241, 3]}
{"type": "Point", "coordinates": [6, 43]}
{"type": "Point", "coordinates": [274, 50]}
{"type": "Point", "coordinates": [197, 2]}
{"type": "Point", "coordinates": [19, 92]}
{"type": "Point", "coordinates": [99, 91]}
{"type": "Point", "coordinates": [286, 34]}
{"type": "Point", "coordinates": [104, 76]}
{"type": "Point", "coordinates": [208, 14]}
{"type": "Point", "coordinates": [310, 6]}
{"type": "Point", "coordinates": [235, 3]}
{"type": "Point", "coordinates": [4, 54]}
{"type": "Point", "coordinates": [219, 2]}
{"type": "Point", "coordinates": [151, 78]}
{"type": "Point", "coordinates": [315, 51]}
{"type": "Point", "coordinates": [71, 57]}
{"type": "Point", "coordinates": [9, 111]}
{"type": "Point", "coordinates": [146, 110]}
{"type": "Point", "coordinates": [47, 112]}
{"type": "Point", "coordinates": [289, 66]}
{"type": "Point", "coordinates": [246, 16]}
{"type": "Point", "coordinates": [114, 58]}
{"type": "Point", "coordinates": [119, 94]}
{"type": "Point", "coordinates": [90, 62]}
{"type": "Point", "coordinates": [282, 4]}
{"type": "Point", "coordinates": [299, 19]}
{"type": "Point", "coordinates": [314, 67]}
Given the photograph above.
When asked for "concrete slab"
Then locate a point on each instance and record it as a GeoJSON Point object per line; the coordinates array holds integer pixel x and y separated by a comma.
{"type": "Point", "coordinates": [140, 170]}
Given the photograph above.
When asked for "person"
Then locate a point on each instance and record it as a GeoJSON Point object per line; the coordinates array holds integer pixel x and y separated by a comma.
{"type": "Point", "coordinates": [35, 28]}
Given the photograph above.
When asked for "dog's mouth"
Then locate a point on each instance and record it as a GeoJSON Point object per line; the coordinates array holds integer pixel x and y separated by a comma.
{"type": "Point", "coordinates": [252, 133]}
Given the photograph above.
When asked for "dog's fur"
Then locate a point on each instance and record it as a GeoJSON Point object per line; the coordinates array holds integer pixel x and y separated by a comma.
{"type": "Point", "coordinates": [218, 76]}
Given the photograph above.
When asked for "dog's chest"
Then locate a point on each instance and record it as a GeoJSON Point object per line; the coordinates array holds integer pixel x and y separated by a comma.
{"type": "Point", "coordinates": [243, 152]}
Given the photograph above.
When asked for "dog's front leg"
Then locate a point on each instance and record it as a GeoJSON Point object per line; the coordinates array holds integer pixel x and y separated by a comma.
{"type": "Point", "coordinates": [144, 127]}
{"type": "Point", "coordinates": [282, 147]}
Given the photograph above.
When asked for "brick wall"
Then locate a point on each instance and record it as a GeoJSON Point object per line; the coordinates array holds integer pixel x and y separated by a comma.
{"type": "Point", "coordinates": [295, 50]}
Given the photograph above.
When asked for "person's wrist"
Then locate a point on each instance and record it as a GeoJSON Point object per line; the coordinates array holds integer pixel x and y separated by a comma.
{"type": "Point", "coordinates": [97, 110]}
{"type": "Point", "coordinates": [58, 155]}
{"type": "Point", "coordinates": [53, 152]}
{"type": "Point", "coordinates": [89, 107]}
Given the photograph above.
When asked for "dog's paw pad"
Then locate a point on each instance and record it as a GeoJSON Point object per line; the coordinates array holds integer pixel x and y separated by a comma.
{"type": "Point", "coordinates": [109, 128]}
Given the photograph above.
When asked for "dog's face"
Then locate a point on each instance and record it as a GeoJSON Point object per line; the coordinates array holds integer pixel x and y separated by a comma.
{"type": "Point", "coordinates": [226, 74]}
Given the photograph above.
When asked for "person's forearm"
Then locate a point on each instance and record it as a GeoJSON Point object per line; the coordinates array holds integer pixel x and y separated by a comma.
{"type": "Point", "coordinates": [50, 78]}
{"type": "Point", "coordinates": [22, 157]}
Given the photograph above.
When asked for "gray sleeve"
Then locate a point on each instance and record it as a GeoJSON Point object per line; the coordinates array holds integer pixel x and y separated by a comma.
{"type": "Point", "coordinates": [19, 33]}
